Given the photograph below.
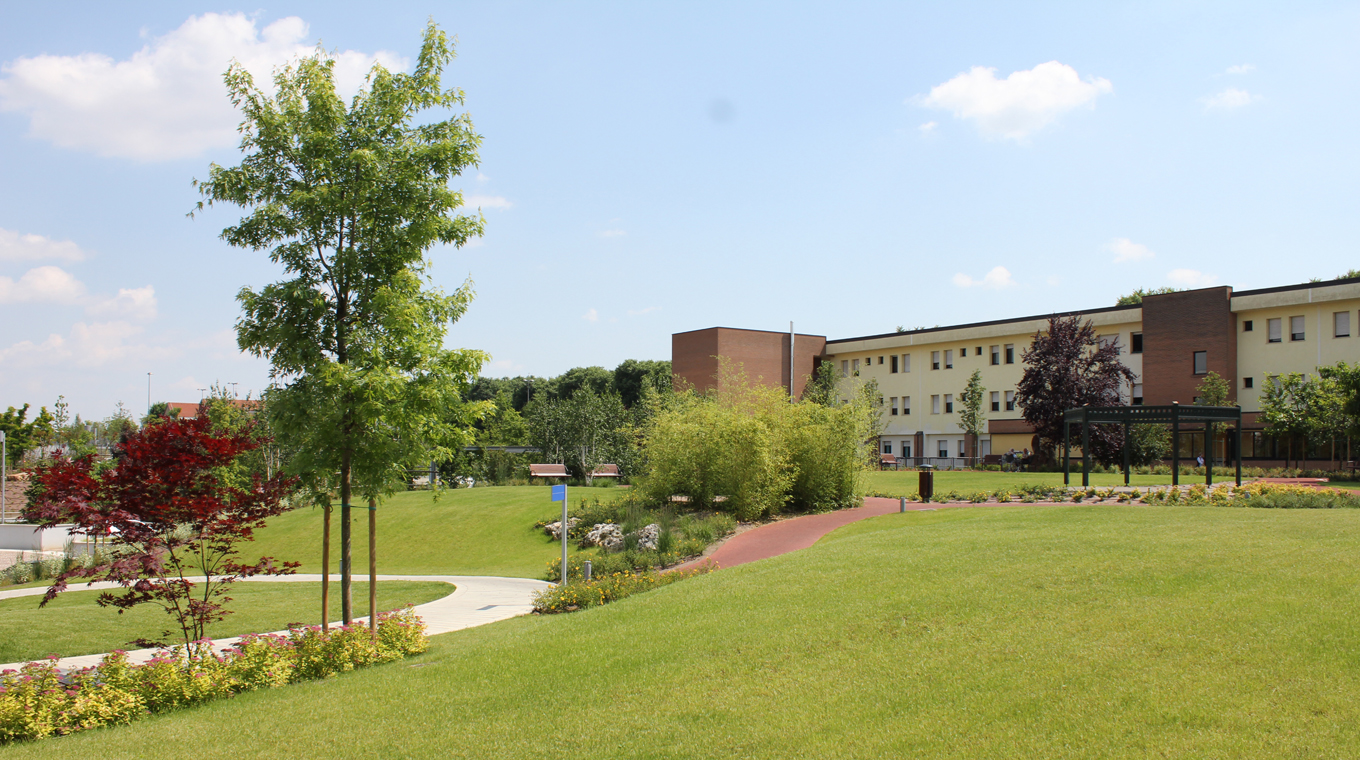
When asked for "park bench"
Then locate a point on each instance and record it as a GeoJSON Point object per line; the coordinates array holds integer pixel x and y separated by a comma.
{"type": "Point", "coordinates": [548, 471]}
{"type": "Point", "coordinates": [991, 459]}
{"type": "Point", "coordinates": [605, 471]}
{"type": "Point", "coordinates": [887, 459]}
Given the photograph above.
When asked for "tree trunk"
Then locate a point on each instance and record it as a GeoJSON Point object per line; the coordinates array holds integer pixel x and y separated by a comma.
{"type": "Point", "coordinates": [373, 568]}
{"type": "Point", "coordinates": [326, 565]}
{"type": "Point", "coordinates": [346, 558]}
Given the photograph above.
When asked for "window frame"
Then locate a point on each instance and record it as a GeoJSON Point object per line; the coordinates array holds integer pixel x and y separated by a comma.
{"type": "Point", "coordinates": [1010, 353]}
{"type": "Point", "coordinates": [1010, 401]}
{"type": "Point", "coordinates": [934, 360]}
{"type": "Point", "coordinates": [996, 401]}
{"type": "Point", "coordinates": [1275, 330]}
{"type": "Point", "coordinates": [1336, 327]}
{"type": "Point", "coordinates": [1200, 362]}
{"type": "Point", "coordinates": [1302, 335]}
{"type": "Point", "coordinates": [995, 355]}
{"type": "Point", "coordinates": [948, 403]}
{"type": "Point", "coordinates": [949, 358]}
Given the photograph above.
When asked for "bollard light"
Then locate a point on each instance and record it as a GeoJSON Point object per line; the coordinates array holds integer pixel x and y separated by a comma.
{"type": "Point", "coordinates": [587, 571]}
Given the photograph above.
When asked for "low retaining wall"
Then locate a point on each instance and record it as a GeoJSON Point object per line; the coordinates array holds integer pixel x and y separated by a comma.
{"type": "Point", "coordinates": [22, 537]}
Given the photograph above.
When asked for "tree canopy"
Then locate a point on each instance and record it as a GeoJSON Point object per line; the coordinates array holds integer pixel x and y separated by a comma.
{"type": "Point", "coordinates": [348, 198]}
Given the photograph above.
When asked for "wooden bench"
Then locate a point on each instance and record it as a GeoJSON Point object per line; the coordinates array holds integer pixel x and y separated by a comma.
{"type": "Point", "coordinates": [991, 459]}
{"type": "Point", "coordinates": [887, 459]}
{"type": "Point", "coordinates": [606, 471]}
{"type": "Point", "coordinates": [548, 471]}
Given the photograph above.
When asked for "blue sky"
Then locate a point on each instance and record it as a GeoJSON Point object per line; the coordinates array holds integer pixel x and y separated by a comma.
{"type": "Point", "coordinates": [653, 168]}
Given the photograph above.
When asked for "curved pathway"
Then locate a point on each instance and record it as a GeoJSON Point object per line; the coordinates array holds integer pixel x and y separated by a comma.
{"type": "Point", "coordinates": [476, 600]}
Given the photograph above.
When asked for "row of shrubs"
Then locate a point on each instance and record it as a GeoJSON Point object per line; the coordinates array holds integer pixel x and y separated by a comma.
{"type": "Point", "coordinates": [40, 701]}
{"type": "Point", "coordinates": [1256, 495]}
{"type": "Point", "coordinates": [1165, 469]}
{"type": "Point", "coordinates": [579, 594]}
{"type": "Point", "coordinates": [44, 566]}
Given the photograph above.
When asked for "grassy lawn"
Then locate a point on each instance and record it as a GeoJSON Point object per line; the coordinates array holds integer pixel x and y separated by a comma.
{"type": "Point", "coordinates": [902, 483]}
{"type": "Point", "coordinates": [74, 625]}
{"type": "Point", "coordinates": [998, 633]}
{"type": "Point", "coordinates": [468, 531]}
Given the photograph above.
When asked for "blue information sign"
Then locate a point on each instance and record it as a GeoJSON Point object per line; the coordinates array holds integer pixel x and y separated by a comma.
{"type": "Point", "coordinates": [559, 493]}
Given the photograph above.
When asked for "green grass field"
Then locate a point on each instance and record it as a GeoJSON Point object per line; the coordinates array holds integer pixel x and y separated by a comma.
{"type": "Point", "coordinates": [903, 483]}
{"type": "Point", "coordinates": [74, 625]}
{"type": "Point", "coordinates": [468, 531]}
{"type": "Point", "coordinates": [1047, 632]}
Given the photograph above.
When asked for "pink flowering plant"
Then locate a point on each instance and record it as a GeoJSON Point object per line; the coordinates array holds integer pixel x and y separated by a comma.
{"type": "Point", "coordinates": [39, 700]}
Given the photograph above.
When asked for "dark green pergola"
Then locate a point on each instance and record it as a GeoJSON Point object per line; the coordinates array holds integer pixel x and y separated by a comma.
{"type": "Point", "coordinates": [1173, 415]}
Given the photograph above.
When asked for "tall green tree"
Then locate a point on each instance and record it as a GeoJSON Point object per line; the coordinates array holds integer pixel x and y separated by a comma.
{"type": "Point", "coordinates": [971, 415]}
{"type": "Point", "coordinates": [22, 436]}
{"type": "Point", "coordinates": [348, 198]}
{"type": "Point", "coordinates": [1213, 390]}
{"type": "Point", "coordinates": [1285, 412]}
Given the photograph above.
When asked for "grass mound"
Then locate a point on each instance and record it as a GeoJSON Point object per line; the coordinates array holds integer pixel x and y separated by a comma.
{"type": "Point", "coordinates": [1058, 632]}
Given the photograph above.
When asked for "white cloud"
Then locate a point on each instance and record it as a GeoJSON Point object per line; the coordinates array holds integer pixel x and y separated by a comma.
{"type": "Point", "coordinates": [998, 278]}
{"type": "Point", "coordinates": [1229, 99]}
{"type": "Point", "coordinates": [15, 246]}
{"type": "Point", "coordinates": [591, 316]}
{"type": "Point", "coordinates": [1021, 103]}
{"type": "Point", "coordinates": [613, 233]}
{"type": "Point", "coordinates": [640, 312]}
{"type": "Point", "coordinates": [87, 346]}
{"type": "Point", "coordinates": [929, 127]}
{"type": "Point", "coordinates": [47, 284]}
{"type": "Point", "coordinates": [486, 201]}
{"type": "Point", "coordinates": [168, 99]}
{"type": "Point", "coordinates": [135, 303]}
{"type": "Point", "coordinates": [1127, 250]}
{"type": "Point", "coordinates": [1191, 278]}
{"type": "Point", "coordinates": [1241, 68]}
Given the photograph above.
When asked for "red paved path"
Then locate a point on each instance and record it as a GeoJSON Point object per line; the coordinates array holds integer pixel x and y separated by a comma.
{"type": "Point", "coordinates": [801, 532]}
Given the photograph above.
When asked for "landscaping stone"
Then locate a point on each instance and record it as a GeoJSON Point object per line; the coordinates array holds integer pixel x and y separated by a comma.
{"type": "Point", "coordinates": [607, 535]}
{"type": "Point", "coordinates": [555, 528]}
{"type": "Point", "coordinates": [647, 537]}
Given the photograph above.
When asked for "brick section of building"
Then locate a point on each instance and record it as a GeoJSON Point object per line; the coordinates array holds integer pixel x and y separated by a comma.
{"type": "Point", "coordinates": [762, 355]}
{"type": "Point", "coordinates": [1175, 326]}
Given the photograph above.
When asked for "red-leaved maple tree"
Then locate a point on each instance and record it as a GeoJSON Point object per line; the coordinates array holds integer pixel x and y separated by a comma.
{"type": "Point", "coordinates": [173, 509]}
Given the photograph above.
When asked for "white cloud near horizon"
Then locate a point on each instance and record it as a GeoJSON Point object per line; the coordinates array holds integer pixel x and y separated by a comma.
{"type": "Point", "coordinates": [1019, 105]}
{"type": "Point", "coordinates": [46, 284]}
{"type": "Point", "coordinates": [86, 346]}
{"type": "Point", "coordinates": [1191, 278]}
{"type": "Point", "coordinates": [167, 100]}
{"type": "Point", "coordinates": [997, 279]}
{"type": "Point", "coordinates": [486, 201]}
{"type": "Point", "coordinates": [1228, 100]}
{"type": "Point", "coordinates": [1126, 250]}
{"type": "Point", "coordinates": [591, 315]}
{"type": "Point", "coordinates": [929, 127]}
{"type": "Point", "coordinates": [1241, 68]}
{"type": "Point", "coordinates": [134, 303]}
{"type": "Point", "coordinates": [16, 246]}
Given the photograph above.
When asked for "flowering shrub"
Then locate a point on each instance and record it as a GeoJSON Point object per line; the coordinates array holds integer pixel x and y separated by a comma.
{"type": "Point", "coordinates": [40, 701]}
{"type": "Point", "coordinates": [604, 589]}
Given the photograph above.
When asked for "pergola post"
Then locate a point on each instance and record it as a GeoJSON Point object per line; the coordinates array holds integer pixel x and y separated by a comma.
{"type": "Point", "coordinates": [1067, 451]}
{"type": "Point", "coordinates": [1239, 444]}
{"type": "Point", "coordinates": [1209, 460]}
{"type": "Point", "coordinates": [1175, 443]}
{"type": "Point", "coordinates": [1126, 447]}
{"type": "Point", "coordinates": [1085, 450]}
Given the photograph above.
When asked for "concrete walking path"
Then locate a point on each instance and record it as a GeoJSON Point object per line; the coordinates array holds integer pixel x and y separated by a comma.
{"type": "Point", "coordinates": [476, 600]}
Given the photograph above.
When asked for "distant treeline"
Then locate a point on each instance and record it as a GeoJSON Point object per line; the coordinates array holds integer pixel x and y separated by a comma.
{"type": "Point", "coordinates": [627, 380]}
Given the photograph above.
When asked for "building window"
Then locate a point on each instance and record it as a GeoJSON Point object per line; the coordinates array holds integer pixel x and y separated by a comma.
{"type": "Point", "coordinates": [996, 354]}
{"type": "Point", "coordinates": [1247, 382]}
{"type": "Point", "coordinates": [1108, 340]}
{"type": "Point", "coordinates": [963, 352]}
{"type": "Point", "coordinates": [906, 449]}
{"type": "Point", "coordinates": [996, 401]}
{"type": "Point", "coordinates": [906, 362]}
{"type": "Point", "coordinates": [854, 367]}
{"type": "Point", "coordinates": [944, 449]}
{"type": "Point", "coordinates": [1273, 330]}
{"type": "Point", "coordinates": [906, 404]}
{"type": "Point", "coordinates": [880, 360]}
{"type": "Point", "coordinates": [1136, 343]}
{"type": "Point", "coordinates": [1010, 353]}
{"type": "Point", "coordinates": [948, 403]}
{"type": "Point", "coordinates": [1341, 324]}
{"type": "Point", "coordinates": [845, 368]}
{"type": "Point", "coordinates": [1137, 394]}
{"type": "Point", "coordinates": [1246, 326]}
{"type": "Point", "coordinates": [892, 366]}
{"type": "Point", "coordinates": [887, 447]}
{"type": "Point", "coordinates": [1201, 362]}
{"type": "Point", "coordinates": [1296, 328]}
{"type": "Point", "coordinates": [978, 350]}
{"type": "Point", "coordinates": [934, 359]}
{"type": "Point", "coordinates": [963, 450]}
{"type": "Point", "coordinates": [894, 406]}
{"type": "Point", "coordinates": [949, 358]}
{"type": "Point", "coordinates": [934, 404]}
{"type": "Point", "coordinates": [1010, 401]}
